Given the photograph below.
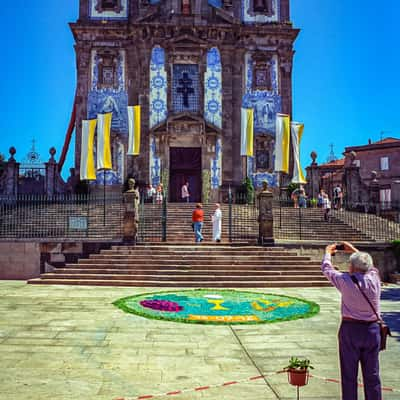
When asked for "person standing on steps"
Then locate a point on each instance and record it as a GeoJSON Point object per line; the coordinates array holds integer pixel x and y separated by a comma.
{"type": "Point", "coordinates": [359, 333]}
{"type": "Point", "coordinates": [217, 222]}
{"type": "Point", "coordinates": [326, 206]}
{"type": "Point", "coordinates": [185, 192]}
{"type": "Point", "coordinates": [159, 193]}
{"type": "Point", "coordinates": [197, 220]}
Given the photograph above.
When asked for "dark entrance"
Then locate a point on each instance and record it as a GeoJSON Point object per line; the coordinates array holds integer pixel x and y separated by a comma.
{"type": "Point", "coordinates": [185, 165]}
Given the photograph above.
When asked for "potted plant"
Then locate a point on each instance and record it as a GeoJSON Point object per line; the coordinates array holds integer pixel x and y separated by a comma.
{"type": "Point", "coordinates": [297, 371]}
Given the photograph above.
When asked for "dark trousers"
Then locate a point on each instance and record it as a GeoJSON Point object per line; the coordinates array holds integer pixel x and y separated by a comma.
{"type": "Point", "coordinates": [359, 343]}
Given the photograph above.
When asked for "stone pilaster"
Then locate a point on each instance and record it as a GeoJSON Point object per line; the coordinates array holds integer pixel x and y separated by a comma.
{"type": "Point", "coordinates": [83, 54]}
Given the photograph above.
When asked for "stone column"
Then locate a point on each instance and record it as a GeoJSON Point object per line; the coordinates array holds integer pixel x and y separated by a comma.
{"type": "Point", "coordinates": [12, 172]}
{"type": "Point", "coordinates": [313, 181]}
{"type": "Point", "coordinates": [265, 216]}
{"type": "Point", "coordinates": [51, 171]}
{"type": "Point", "coordinates": [373, 193]}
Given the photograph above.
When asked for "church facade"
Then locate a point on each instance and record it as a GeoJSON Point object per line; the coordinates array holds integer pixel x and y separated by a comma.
{"type": "Point", "coordinates": [191, 65]}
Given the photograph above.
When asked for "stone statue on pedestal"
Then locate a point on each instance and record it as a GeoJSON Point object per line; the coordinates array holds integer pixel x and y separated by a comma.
{"type": "Point", "coordinates": [131, 215]}
{"type": "Point", "coordinates": [265, 216]}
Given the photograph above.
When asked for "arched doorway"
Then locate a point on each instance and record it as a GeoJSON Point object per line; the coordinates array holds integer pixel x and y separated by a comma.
{"type": "Point", "coordinates": [185, 165]}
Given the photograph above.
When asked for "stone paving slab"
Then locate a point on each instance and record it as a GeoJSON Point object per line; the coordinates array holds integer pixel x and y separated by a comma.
{"type": "Point", "coordinates": [70, 342]}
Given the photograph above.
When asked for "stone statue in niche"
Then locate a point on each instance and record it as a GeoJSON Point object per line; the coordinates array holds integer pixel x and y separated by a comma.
{"type": "Point", "coordinates": [109, 5]}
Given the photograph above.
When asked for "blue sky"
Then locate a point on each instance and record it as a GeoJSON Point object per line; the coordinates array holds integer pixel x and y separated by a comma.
{"type": "Point", "coordinates": [346, 83]}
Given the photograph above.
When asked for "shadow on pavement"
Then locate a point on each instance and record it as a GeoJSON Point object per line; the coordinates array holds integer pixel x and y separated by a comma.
{"type": "Point", "coordinates": [391, 294]}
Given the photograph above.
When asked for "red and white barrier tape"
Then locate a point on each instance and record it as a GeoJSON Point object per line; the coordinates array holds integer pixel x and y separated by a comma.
{"type": "Point", "coordinates": [230, 383]}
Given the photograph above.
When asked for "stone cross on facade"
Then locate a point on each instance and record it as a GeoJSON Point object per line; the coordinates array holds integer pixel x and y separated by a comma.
{"type": "Point", "coordinates": [185, 88]}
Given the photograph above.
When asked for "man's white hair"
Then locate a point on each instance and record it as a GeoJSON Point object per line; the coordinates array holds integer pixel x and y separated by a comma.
{"type": "Point", "coordinates": [361, 261]}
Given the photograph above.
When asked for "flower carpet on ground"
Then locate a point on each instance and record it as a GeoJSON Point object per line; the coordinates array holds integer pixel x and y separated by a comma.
{"type": "Point", "coordinates": [218, 307]}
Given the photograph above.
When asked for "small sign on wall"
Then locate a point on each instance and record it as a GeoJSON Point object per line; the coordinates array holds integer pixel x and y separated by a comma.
{"type": "Point", "coordinates": [78, 223]}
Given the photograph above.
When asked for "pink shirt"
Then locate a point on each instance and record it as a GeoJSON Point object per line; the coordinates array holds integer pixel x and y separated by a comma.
{"type": "Point", "coordinates": [354, 305]}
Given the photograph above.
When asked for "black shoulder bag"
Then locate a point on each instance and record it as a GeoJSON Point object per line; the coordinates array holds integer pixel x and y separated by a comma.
{"type": "Point", "coordinates": [384, 329]}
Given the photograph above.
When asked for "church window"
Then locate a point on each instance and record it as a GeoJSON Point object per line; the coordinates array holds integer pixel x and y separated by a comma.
{"type": "Point", "coordinates": [186, 88]}
{"type": "Point", "coordinates": [109, 5]}
{"type": "Point", "coordinates": [263, 6]}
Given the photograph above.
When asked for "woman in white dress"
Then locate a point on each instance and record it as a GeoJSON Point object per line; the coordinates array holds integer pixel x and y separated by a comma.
{"type": "Point", "coordinates": [217, 222]}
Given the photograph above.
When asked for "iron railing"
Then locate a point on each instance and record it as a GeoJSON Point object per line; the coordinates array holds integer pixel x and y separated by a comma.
{"type": "Point", "coordinates": [243, 217]}
{"type": "Point", "coordinates": [365, 221]}
{"type": "Point", "coordinates": [90, 217]}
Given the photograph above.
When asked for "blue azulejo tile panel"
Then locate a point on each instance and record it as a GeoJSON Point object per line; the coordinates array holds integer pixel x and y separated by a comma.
{"type": "Point", "coordinates": [107, 99]}
{"type": "Point", "coordinates": [216, 166]}
{"type": "Point", "coordinates": [155, 163]}
{"type": "Point", "coordinates": [265, 106]}
{"type": "Point", "coordinates": [213, 88]}
{"type": "Point", "coordinates": [250, 17]}
{"type": "Point", "coordinates": [158, 87]}
{"type": "Point", "coordinates": [185, 88]}
{"type": "Point", "coordinates": [266, 103]}
{"type": "Point", "coordinates": [271, 178]}
{"type": "Point", "coordinates": [96, 12]}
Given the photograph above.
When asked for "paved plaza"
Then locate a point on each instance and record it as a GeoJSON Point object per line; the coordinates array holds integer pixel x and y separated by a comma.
{"type": "Point", "coordinates": [71, 342]}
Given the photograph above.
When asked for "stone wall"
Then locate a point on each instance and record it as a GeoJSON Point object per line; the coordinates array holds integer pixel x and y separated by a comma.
{"type": "Point", "coordinates": [19, 260]}
{"type": "Point", "coordinates": [382, 255]}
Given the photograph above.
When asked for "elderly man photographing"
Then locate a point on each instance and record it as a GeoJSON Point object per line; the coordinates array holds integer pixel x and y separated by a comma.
{"type": "Point", "coordinates": [359, 335]}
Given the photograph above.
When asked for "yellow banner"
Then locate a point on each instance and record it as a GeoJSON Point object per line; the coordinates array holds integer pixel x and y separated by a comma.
{"type": "Point", "coordinates": [282, 141]}
{"type": "Point", "coordinates": [247, 132]}
{"type": "Point", "coordinates": [134, 130]}
{"type": "Point", "coordinates": [297, 129]}
{"type": "Point", "coordinates": [87, 170]}
{"type": "Point", "coordinates": [104, 141]}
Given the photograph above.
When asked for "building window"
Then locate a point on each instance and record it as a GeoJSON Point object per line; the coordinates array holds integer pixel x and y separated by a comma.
{"type": "Point", "coordinates": [384, 163]}
{"type": "Point", "coordinates": [109, 5]}
{"type": "Point", "coordinates": [262, 6]}
{"type": "Point", "coordinates": [357, 163]}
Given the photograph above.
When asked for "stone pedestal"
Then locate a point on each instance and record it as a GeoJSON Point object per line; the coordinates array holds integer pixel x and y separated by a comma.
{"type": "Point", "coordinates": [265, 218]}
{"type": "Point", "coordinates": [131, 217]}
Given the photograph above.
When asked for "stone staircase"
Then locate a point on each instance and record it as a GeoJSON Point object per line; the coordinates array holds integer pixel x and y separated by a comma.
{"type": "Point", "coordinates": [188, 265]}
{"type": "Point", "coordinates": [309, 224]}
{"type": "Point", "coordinates": [179, 222]}
{"type": "Point", "coordinates": [42, 219]}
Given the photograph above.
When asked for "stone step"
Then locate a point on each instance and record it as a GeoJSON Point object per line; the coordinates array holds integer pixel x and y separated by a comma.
{"type": "Point", "coordinates": [194, 264]}
{"type": "Point", "coordinates": [193, 267]}
{"type": "Point", "coordinates": [181, 278]}
{"type": "Point", "coordinates": [203, 284]}
{"type": "Point", "coordinates": [189, 272]}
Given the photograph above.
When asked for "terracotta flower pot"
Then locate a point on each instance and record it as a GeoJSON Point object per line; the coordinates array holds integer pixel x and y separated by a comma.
{"type": "Point", "coordinates": [298, 377]}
